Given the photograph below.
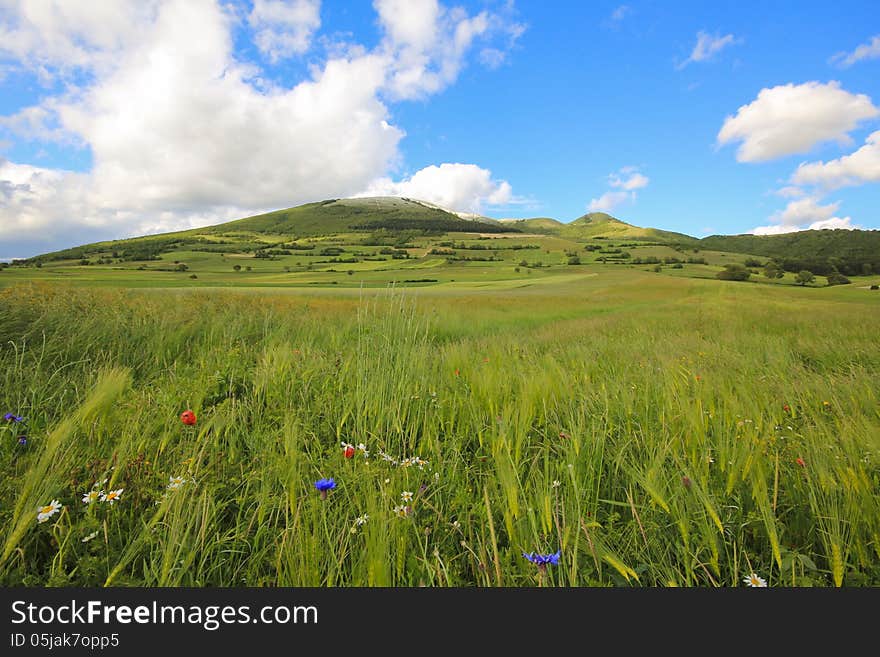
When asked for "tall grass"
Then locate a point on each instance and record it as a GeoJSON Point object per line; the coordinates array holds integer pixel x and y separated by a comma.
{"type": "Point", "coordinates": [685, 434]}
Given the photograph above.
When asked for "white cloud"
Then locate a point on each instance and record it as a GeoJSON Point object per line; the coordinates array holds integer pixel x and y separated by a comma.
{"type": "Point", "coordinates": [870, 50]}
{"type": "Point", "coordinates": [284, 28]}
{"type": "Point", "coordinates": [628, 179]}
{"type": "Point", "coordinates": [182, 133]}
{"type": "Point", "coordinates": [635, 181]}
{"type": "Point", "coordinates": [455, 186]}
{"type": "Point", "coordinates": [70, 34]}
{"type": "Point", "coordinates": [708, 46]}
{"type": "Point", "coordinates": [610, 200]}
{"type": "Point", "coordinates": [790, 191]}
{"type": "Point", "coordinates": [790, 119]}
{"type": "Point", "coordinates": [853, 169]}
{"type": "Point", "coordinates": [803, 211]}
{"type": "Point", "coordinates": [805, 214]}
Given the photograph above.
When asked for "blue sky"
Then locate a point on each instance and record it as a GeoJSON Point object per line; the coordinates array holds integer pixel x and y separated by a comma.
{"type": "Point", "coordinates": [128, 117]}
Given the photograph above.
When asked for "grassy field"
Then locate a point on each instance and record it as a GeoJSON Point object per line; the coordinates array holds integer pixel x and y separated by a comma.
{"type": "Point", "coordinates": [654, 430]}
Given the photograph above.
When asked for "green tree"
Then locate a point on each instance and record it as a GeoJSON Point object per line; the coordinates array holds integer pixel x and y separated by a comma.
{"type": "Point", "coordinates": [773, 270]}
{"type": "Point", "coordinates": [734, 272]}
{"type": "Point", "coordinates": [804, 276]}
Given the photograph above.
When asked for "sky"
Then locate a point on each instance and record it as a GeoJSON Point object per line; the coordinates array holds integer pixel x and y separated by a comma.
{"type": "Point", "coordinates": [128, 117]}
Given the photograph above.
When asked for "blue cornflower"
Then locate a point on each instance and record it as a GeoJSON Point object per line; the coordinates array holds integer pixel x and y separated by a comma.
{"type": "Point", "coordinates": [22, 440]}
{"type": "Point", "coordinates": [12, 417]}
{"type": "Point", "coordinates": [541, 560]}
{"type": "Point", "coordinates": [325, 485]}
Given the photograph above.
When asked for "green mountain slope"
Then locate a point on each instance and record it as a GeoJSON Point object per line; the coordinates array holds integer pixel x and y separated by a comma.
{"type": "Point", "coordinates": [600, 224]}
{"type": "Point", "coordinates": [359, 214]}
{"type": "Point", "coordinates": [535, 225]}
{"type": "Point", "coordinates": [816, 250]}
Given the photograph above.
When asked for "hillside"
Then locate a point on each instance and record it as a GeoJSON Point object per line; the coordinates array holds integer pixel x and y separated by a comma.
{"type": "Point", "coordinates": [336, 216]}
{"type": "Point", "coordinates": [852, 252]}
{"type": "Point", "coordinates": [600, 224]}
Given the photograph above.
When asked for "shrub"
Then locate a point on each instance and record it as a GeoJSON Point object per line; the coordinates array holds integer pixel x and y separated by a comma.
{"type": "Point", "coordinates": [734, 272]}
{"type": "Point", "coordinates": [837, 279]}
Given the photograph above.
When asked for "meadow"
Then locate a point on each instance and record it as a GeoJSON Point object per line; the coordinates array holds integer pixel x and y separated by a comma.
{"type": "Point", "coordinates": [649, 429]}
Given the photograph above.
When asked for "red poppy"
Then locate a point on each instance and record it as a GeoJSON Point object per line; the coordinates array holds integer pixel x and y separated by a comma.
{"type": "Point", "coordinates": [686, 482]}
{"type": "Point", "coordinates": [456, 372]}
{"type": "Point", "coordinates": [786, 408]}
{"type": "Point", "coordinates": [348, 451]}
{"type": "Point", "coordinates": [800, 462]}
{"type": "Point", "coordinates": [562, 434]}
{"type": "Point", "coordinates": [188, 418]}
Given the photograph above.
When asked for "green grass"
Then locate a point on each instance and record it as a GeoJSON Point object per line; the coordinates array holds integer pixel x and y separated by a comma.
{"type": "Point", "coordinates": [648, 426]}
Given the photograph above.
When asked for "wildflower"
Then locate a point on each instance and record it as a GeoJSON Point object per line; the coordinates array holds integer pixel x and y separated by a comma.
{"type": "Point", "coordinates": [457, 372]}
{"type": "Point", "coordinates": [697, 377]}
{"type": "Point", "coordinates": [800, 462]}
{"type": "Point", "coordinates": [541, 560]}
{"type": "Point", "coordinates": [387, 481]}
{"type": "Point", "coordinates": [188, 418]}
{"type": "Point", "coordinates": [22, 440]}
{"type": "Point", "coordinates": [113, 496]}
{"type": "Point", "coordinates": [564, 435]}
{"type": "Point", "coordinates": [363, 450]}
{"type": "Point", "coordinates": [361, 520]}
{"type": "Point", "coordinates": [92, 496]}
{"type": "Point", "coordinates": [754, 581]}
{"type": "Point", "coordinates": [347, 450]}
{"type": "Point", "coordinates": [88, 538]}
{"type": "Point", "coordinates": [406, 496]}
{"type": "Point", "coordinates": [12, 417]}
{"type": "Point", "coordinates": [175, 482]}
{"type": "Point", "coordinates": [686, 482]}
{"type": "Point", "coordinates": [786, 408]}
{"type": "Point", "coordinates": [456, 524]}
{"type": "Point", "coordinates": [46, 512]}
{"type": "Point", "coordinates": [402, 511]}
{"type": "Point", "coordinates": [324, 485]}
{"type": "Point", "coordinates": [556, 483]}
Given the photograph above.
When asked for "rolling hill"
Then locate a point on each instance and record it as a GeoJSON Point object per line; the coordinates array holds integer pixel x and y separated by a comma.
{"type": "Point", "coordinates": [394, 221]}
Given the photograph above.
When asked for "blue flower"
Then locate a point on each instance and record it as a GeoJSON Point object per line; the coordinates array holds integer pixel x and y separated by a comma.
{"type": "Point", "coordinates": [12, 417]}
{"type": "Point", "coordinates": [22, 440]}
{"type": "Point", "coordinates": [325, 485]}
{"type": "Point", "coordinates": [543, 559]}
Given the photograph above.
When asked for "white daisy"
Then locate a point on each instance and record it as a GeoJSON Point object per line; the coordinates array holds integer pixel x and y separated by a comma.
{"type": "Point", "coordinates": [92, 496]}
{"type": "Point", "coordinates": [755, 581]}
{"type": "Point", "coordinates": [46, 512]}
{"type": "Point", "coordinates": [401, 511]}
{"type": "Point", "coordinates": [556, 483]}
{"type": "Point", "coordinates": [406, 496]}
{"type": "Point", "coordinates": [363, 450]}
{"type": "Point", "coordinates": [175, 482]}
{"type": "Point", "coordinates": [112, 496]}
{"type": "Point", "coordinates": [361, 520]}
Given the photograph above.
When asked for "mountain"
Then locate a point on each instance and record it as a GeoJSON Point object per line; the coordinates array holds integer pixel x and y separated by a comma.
{"type": "Point", "coordinates": [393, 220]}
{"type": "Point", "coordinates": [600, 224]}
{"type": "Point", "coordinates": [360, 214]}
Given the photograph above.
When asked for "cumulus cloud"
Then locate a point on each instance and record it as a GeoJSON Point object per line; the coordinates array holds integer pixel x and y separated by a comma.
{"type": "Point", "coordinates": [455, 186]}
{"type": "Point", "coordinates": [425, 43]}
{"type": "Point", "coordinates": [856, 168]}
{"type": "Point", "coordinates": [708, 46]}
{"type": "Point", "coordinates": [870, 50]}
{"type": "Point", "coordinates": [610, 200]}
{"type": "Point", "coordinates": [182, 133]}
{"type": "Point", "coordinates": [284, 28]}
{"type": "Point", "coordinates": [789, 119]}
{"type": "Point", "coordinates": [805, 214]}
{"type": "Point", "coordinates": [627, 180]}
